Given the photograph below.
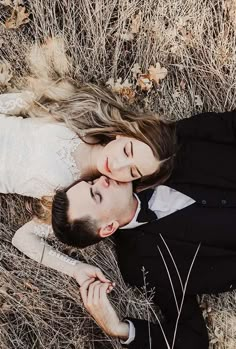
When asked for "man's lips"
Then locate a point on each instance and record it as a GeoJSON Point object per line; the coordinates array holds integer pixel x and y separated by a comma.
{"type": "Point", "coordinates": [107, 166]}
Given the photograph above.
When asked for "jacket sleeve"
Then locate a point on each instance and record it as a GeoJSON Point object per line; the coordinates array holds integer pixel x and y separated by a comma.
{"type": "Point", "coordinates": [191, 330]}
{"type": "Point", "coordinates": [215, 127]}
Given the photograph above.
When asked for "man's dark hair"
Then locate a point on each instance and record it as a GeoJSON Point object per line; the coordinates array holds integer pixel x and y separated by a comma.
{"type": "Point", "coordinates": [78, 233]}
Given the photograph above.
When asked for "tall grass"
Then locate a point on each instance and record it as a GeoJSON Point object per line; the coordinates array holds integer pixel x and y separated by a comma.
{"type": "Point", "coordinates": [195, 41]}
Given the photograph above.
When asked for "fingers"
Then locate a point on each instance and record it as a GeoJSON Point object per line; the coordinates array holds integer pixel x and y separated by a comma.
{"type": "Point", "coordinates": [103, 291]}
{"type": "Point", "coordinates": [84, 290]}
{"type": "Point", "coordinates": [93, 291]}
{"type": "Point", "coordinates": [96, 294]}
{"type": "Point", "coordinates": [101, 276]}
{"type": "Point", "coordinates": [111, 287]}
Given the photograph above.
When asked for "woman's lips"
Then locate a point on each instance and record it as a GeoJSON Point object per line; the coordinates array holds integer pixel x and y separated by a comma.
{"type": "Point", "coordinates": [106, 166]}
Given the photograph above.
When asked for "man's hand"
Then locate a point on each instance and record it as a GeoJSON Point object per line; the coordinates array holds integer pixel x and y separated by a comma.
{"type": "Point", "coordinates": [85, 272]}
{"type": "Point", "coordinates": [94, 296]}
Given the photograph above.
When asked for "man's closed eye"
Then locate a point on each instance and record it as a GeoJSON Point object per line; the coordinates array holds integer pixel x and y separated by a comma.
{"type": "Point", "coordinates": [98, 197]}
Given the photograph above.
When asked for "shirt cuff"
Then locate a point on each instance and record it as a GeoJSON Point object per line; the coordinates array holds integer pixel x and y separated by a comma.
{"type": "Point", "coordinates": [131, 333]}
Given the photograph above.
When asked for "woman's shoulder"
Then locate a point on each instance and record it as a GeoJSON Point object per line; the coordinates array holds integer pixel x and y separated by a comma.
{"type": "Point", "coordinates": [55, 129]}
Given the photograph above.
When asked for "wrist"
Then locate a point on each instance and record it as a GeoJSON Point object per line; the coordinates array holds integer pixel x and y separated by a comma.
{"type": "Point", "coordinates": [76, 269]}
{"type": "Point", "coordinates": [122, 330]}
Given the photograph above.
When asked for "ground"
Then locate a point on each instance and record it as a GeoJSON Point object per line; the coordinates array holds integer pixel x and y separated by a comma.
{"type": "Point", "coordinates": [173, 57]}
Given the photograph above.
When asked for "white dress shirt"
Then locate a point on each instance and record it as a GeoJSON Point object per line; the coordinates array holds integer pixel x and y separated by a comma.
{"type": "Point", "coordinates": [163, 202]}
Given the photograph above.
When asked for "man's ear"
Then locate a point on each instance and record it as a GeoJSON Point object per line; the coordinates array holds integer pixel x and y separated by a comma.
{"type": "Point", "coordinates": [108, 229]}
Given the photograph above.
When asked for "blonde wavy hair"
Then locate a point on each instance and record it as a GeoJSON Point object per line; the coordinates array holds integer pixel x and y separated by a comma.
{"type": "Point", "coordinates": [95, 113]}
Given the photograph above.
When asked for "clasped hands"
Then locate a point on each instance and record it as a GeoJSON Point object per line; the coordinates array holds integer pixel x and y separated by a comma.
{"type": "Point", "coordinates": [94, 290]}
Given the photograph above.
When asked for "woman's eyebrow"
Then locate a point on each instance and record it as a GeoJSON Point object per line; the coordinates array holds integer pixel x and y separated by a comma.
{"type": "Point", "coordinates": [131, 148]}
{"type": "Point", "coordinates": [132, 152]}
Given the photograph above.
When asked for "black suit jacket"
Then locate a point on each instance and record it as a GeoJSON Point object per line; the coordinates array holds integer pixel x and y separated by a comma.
{"type": "Point", "coordinates": [205, 170]}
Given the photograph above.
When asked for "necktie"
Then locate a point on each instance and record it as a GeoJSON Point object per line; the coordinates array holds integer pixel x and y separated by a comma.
{"type": "Point", "coordinates": [145, 214]}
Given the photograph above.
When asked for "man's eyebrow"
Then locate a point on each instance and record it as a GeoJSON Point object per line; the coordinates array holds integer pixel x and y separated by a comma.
{"type": "Point", "coordinates": [132, 152]}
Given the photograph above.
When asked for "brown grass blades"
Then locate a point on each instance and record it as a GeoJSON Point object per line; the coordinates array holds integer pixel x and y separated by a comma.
{"type": "Point", "coordinates": [109, 39]}
{"type": "Point", "coordinates": [179, 305]}
{"type": "Point", "coordinates": [40, 308]}
{"type": "Point", "coordinates": [193, 40]}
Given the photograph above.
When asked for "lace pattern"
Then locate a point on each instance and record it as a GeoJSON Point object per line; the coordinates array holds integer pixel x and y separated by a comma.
{"type": "Point", "coordinates": [10, 103]}
{"type": "Point", "coordinates": [66, 155]}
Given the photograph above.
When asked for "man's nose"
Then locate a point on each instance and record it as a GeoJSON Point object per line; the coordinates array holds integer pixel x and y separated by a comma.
{"type": "Point", "coordinates": [103, 181]}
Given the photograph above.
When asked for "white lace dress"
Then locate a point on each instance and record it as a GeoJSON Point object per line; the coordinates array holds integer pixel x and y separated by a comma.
{"type": "Point", "coordinates": [36, 157]}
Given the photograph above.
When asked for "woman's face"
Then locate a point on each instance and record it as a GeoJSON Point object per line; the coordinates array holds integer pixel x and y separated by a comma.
{"type": "Point", "coordinates": [126, 159]}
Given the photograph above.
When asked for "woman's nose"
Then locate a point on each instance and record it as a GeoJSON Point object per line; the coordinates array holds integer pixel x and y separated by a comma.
{"type": "Point", "coordinates": [119, 164]}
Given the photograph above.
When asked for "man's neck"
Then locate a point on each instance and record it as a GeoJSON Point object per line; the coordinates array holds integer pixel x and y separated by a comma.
{"type": "Point", "coordinates": [133, 208]}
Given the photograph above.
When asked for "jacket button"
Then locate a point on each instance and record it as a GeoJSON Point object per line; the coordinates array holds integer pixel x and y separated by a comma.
{"type": "Point", "coordinates": [224, 202]}
{"type": "Point", "coordinates": [204, 202]}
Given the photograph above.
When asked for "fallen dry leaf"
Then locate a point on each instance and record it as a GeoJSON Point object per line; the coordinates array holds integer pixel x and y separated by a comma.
{"type": "Point", "coordinates": [128, 93]}
{"type": "Point", "coordinates": [117, 85]}
{"type": "Point", "coordinates": [5, 73]}
{"type": "Point", "coordinates": [124, 89]}
{"type": "Point", "coordinates": [135, 24]}
{"type": "Point", "coordinates": [1, 42]}
{"type": "Point", "coordinates": [144, 82]}
{"type": "Point", "coordinates": [157, 73]}
{"type": "Point", "coordinates": [18, 17]}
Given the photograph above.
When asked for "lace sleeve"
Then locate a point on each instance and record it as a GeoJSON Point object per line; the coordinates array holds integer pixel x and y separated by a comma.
{"type": "Point", "coordinates": [15, 103]}
{"type": "Point", "coordinates": [30, 240]}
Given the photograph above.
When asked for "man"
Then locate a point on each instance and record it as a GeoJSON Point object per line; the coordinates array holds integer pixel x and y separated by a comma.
{"type": "Point", "coordinates": [191, 229]}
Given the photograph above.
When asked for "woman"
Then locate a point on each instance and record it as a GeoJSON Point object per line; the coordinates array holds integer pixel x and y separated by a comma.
{"type": "Point", "coordinates": [87, 133]}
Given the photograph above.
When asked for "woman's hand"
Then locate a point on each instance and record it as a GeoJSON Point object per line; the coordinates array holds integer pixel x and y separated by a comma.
{"type": "Point", "coordinates": [84, 272]}
{"type": "Point", "coordinates": [94, 296]}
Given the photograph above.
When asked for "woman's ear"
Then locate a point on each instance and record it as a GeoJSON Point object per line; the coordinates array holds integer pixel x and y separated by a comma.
{"type": "Point", "coordinates": [118, 136]}
{"type": "Point", "coordinates": [108, 230]}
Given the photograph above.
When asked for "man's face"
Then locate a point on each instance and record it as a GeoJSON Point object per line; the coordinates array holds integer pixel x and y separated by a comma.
{"type": "Point", "coordinates": [103, 199]}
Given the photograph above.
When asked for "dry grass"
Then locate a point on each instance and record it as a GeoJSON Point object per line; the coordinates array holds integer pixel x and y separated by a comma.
{"type": "Point", "coordinates": [40, 308]}
{"type": "Point", "coordinates": [195, 41]}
